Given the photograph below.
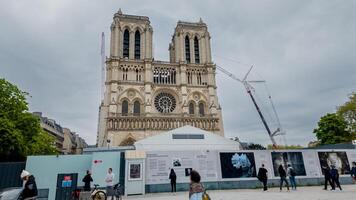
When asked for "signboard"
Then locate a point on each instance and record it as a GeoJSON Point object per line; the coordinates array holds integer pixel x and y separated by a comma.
{"type": "Point", "coordinates": [294, 159]}
{"type": "Point", "coordinates": [237, 165]}
{"type": "Point", "coordinates": [67, 181]}
{"type": "Point", "coordinates": [97, 161]}
{"type": "Point", "coordinates": [159, 163]}
{"type": "Point", "coordinates": [338, 159]}
{"type": "Point", "coordinates": [135, 171]}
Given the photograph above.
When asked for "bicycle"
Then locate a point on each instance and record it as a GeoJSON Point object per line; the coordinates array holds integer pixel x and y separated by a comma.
{"type": "Point", "coordinates": [118, 191]}
{"type": "Point", "coordinates": [97, 194]}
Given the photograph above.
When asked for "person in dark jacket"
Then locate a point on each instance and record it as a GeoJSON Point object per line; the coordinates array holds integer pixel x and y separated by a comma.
{"type": "Point", "coordinates": [173, 178]}
{"type": "Point", "coordinates": [283, 175]}
{"type": "Point", "coordinates": [335, 177]}
{"type": "Point", "coordinates": [327, 177]}
{"type": "Point", "coordinates": [29, 191]}
{"type": "Point", "coordinates": [262, 176]}
{"type": "Point", "coordinates": [353, 171]}
{"type": "Point", "coordinates": [87, 179]}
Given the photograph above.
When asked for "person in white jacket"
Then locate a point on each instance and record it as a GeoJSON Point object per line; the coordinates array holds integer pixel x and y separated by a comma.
{"type": "Point", "coordinates": [109, 180]}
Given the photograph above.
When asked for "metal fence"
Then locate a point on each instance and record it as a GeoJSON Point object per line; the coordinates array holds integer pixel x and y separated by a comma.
{"type": "Point", "coordinates": [10, 174]}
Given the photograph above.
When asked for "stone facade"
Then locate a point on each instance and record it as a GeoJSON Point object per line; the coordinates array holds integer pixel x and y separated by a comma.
{"type": "Point", "coordinates": [73, 143]}
{"type": "Point", "coordinates": [144, 97]}
{"type": "Point", "coordinates": [66, 141]}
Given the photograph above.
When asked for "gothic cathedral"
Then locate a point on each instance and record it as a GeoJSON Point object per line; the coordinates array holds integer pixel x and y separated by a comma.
{"type": "Point", "coordinates": [143, 96]}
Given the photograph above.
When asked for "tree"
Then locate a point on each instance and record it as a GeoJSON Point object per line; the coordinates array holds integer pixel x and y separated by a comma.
{"type": "Point", "coordinates": [332, 130]}
{"type": "Point", "coordinates": [253, 146]}
{"type": "Point", "coordinates": [348, 112]}
{"type": "Point", "coordinates": [285, 147]}
{"type": "Point", "coordinates": [20, 131]}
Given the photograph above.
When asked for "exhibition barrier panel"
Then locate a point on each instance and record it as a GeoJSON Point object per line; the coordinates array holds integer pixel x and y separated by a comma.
{"type": "Point", "coordinates": [222, 166]}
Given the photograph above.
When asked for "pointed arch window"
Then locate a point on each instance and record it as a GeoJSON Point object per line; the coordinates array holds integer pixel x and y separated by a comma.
{"type": "Point", "coordinates": [196, 50]}
{"type": "Point", "coordinates": [126, 44]}
{"type": "Point", "coordinates": [187, 49]}
{"type": "Point", "coordinates": [191, 108]}
{"type": "Point", "coordinates": [201, 109]}
{"type": "Point", "coordinates": [124, 108]}
{"type": "Point", "coordinates": [137, 45]}
{"type": "Point", "coordinates": [136, 108]}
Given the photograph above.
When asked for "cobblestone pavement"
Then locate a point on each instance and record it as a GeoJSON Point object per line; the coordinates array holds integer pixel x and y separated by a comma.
{"type": "Point", "coordinates": [302, 193]}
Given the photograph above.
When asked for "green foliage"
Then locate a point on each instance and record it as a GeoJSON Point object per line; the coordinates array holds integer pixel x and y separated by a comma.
{"type": "Point", "coordinates": [332, 130]}
{"type": "Point", "coordinates": [348, 112]}
{"type": "Point", "coordinates": [39, 144]}
{"type": "Point", "coordinates": [285, 147]}
{"type": "Point", "coordinates": [20, 131]}
{"type": "Point", "coordinates": [11, 141]}
{"type": "Point", "coordinates": [253, 146]}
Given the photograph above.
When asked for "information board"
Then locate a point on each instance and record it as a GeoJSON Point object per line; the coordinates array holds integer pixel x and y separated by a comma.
{"type": "Point", "coordinates": [159, 164]}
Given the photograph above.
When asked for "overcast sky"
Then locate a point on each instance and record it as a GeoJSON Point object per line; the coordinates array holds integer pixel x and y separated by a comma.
{"type": "Point", "coordinates": [306, 50]}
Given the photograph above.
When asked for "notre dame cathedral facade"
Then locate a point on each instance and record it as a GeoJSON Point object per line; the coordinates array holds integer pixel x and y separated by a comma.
{"type": "Point", "coordinates": [143, 96]}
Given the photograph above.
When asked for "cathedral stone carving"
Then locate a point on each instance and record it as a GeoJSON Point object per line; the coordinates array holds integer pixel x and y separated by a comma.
{"type": "Point", "coordinates": [145, 97]}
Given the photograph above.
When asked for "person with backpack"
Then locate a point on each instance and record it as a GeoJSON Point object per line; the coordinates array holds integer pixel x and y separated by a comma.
{"type": "Point", "coordinates": [262, 176]}
{"type": "Point", "coordinates": [291, 173]}
{"type": "Point", "coordinates": [196, 189]}
{"type": "Point", "coordinates": [173, 178]}
{"type": "Point", "coordinates": [283, 175]}
{"type": "Point", "coordinates": [335, 177]}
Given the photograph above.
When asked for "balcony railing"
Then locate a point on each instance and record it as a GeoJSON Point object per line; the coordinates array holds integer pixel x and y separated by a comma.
{"type": "Point", "coordinates": [137, 122]}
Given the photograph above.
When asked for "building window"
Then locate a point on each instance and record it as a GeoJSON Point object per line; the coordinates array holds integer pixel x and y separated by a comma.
{"type": "Point", "coordinates": [138, 75]}
{"type": "Point", "coordinates": [124, 108]}
{"type": "Point", "coordinates": [137, 44]}
{"type": "Point", "coordinates": [201, 109]}
{"type": "Point", "coordinates": [199, 78]}
{"type": "Point", "coordinates": [124, 74]}
{"type": "Point", "coordinates": [191, 108]}
{"type": "Point", "coordinates": [189, 77]}
{"type": "Point", "coordinates": [126, 44]}
{"type": "Point", "coordinates": [136, 108]}
{"type": "Point", "coordinates": [162, 75]}
{"type": "Point", "coordinates": [196, 50]}
{"type": "Point", "coordinates": [187, 49]}
{"type": "Point", "coordinates": [165, 102]}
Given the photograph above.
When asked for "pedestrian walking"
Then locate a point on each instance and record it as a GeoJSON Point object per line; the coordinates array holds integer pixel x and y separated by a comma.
{"type": "Point", "coordinates": [283, 175]}
{"type": "Point", "coordinates": [262, 176]}
{"type": "Point", "coordinates": [353, 172]}
{"type": "Point", "coordinates": [173, 178]}
{"type": "Point", "coordinates": [87, 180]}
{"type": "Point", "coordinates": [196, 189]}
{"type": "Point", "coordinates": [29, 191]}
{"type": "Point", "coordinates": [109, 180]}
{"type": "Point", "coordinates": [327, 177]}
{"type": "Point", "coordinates": [335, 177]}
{"type": "Point", "coordinates": [291, 174]}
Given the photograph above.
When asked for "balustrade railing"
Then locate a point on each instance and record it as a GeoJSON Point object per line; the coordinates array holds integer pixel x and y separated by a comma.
{"type": "Point", "coordinates": [121, 123]}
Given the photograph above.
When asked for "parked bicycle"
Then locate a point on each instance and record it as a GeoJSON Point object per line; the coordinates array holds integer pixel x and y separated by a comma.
{"type": "Point", "coordinates": [94, 194]}
{"type": "Point", "coordinates": [97, 194]}
{"type": "Point", "coordinates": [118, 189]}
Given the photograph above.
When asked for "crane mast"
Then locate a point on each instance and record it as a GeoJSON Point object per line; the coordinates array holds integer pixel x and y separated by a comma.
{"type": "Point", "coordinates": [248, 88]}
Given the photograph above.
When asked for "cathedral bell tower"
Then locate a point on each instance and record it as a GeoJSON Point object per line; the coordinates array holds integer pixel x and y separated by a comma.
{"type": "Point", "coordinates": [144, 97]}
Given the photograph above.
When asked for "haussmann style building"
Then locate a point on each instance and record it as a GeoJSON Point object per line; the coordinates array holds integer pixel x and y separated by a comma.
{"type": "Point", "coordinates": [145, 97]}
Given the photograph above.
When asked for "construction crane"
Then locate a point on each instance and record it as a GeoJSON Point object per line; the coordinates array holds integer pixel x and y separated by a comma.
{"type": "Point", "coordinates": [249, 89]}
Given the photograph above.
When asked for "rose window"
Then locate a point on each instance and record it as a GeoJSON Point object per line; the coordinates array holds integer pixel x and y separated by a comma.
{"type": "Point", "coordinates": [165, 102]}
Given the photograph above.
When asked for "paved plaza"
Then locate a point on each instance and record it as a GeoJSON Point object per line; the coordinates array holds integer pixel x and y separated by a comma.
{"type": "Point", "coordinates": [303, 193]}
